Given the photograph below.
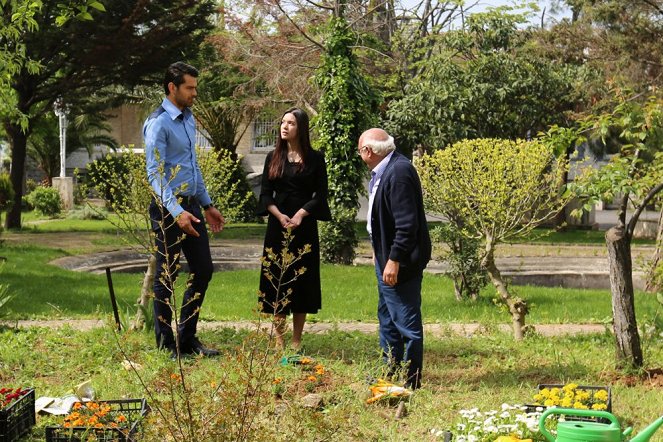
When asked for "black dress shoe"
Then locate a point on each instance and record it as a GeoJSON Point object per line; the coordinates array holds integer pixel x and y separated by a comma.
{"type": "Point", "coordinates": [197, 347]}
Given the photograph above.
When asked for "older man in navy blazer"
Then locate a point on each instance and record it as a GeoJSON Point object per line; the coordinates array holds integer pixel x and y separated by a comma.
{"type": "Point", "coordinates": [396, 223]}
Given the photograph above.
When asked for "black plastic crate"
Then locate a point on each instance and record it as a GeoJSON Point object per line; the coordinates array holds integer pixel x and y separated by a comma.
{"type": "Point", "coordinates": [133, 409]}
{"type": "Point", "coordinates": [591, 389]}
{"type": "Point", "coordinates": [18, 418]}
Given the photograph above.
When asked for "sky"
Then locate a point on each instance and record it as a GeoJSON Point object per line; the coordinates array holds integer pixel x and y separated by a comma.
{"type": "Point", "coordinates": [482, 5]}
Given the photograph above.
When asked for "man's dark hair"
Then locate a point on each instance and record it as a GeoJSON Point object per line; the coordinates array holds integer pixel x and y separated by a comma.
{"type": "Point", "coordinates": [176, 72]}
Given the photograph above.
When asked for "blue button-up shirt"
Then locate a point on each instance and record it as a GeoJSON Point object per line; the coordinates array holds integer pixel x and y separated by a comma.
{"type": "Point", "coordinates": [170, 143]}
{"type": "Point", "coordinates": [376, 176]}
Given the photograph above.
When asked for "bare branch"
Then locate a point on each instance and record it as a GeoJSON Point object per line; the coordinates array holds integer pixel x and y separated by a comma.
{"type": "Point", "coordinates": [301, 31]}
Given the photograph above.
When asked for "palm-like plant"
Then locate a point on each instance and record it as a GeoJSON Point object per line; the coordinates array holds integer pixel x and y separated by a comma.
{"type": "Point", "coordinates": [85, 131]}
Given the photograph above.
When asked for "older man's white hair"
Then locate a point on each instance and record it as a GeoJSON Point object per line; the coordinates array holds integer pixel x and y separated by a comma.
{"type": "Point", "coordinates": [381, 147]}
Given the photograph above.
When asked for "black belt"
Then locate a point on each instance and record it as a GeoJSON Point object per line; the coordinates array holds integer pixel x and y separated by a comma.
{"type": "Point", "coordinates": [189, 200]}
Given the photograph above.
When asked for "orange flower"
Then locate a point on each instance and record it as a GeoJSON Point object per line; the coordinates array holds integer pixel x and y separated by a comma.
{"type": "Point", "coordinates": [77, 406]}
{"type": "Point", "coordinates": [312, 378]}
{"type": "Point", "coordinates": [277, 381]}
{"type": "Point", "coordinates": [121, 418]}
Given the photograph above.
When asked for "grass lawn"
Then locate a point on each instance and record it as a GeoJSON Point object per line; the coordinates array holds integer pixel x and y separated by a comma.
{"type": "Point", "coordinates": [483, 371]}
{"type": "Point", "coordinates": [460, 373]}
{"type": "Point", "coordinates": [349, 294]}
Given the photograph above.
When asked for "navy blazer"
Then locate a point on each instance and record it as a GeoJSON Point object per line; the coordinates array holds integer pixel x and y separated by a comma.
{"type": "Point", "coordinates": [398, 221]}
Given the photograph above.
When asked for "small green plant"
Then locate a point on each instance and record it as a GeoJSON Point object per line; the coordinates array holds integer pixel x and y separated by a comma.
{"type": "Point", "coordinates": [6, 194]}
{"type": "Point", "coordinates": [46, 200]}
{"type": "Point", "coordinates": [5, 295]}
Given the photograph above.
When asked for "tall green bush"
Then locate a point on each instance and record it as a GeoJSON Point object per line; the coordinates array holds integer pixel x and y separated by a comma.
{"type": "Point", "coordinates": [346, 108]}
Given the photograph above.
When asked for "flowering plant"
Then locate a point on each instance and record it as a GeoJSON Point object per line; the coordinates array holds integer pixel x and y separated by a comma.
{"type": "Point", "coordinates": [10, 395]}
{"type": "Point", "coordinates": [94, 415]}
{"type": "Point", "coordinates": [511, 423]}
{"type": "Point", "coordinates": [572, 396]}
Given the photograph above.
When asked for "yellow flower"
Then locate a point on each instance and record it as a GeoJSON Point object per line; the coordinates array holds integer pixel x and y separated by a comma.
{"type": "Point", "coordinates": [570, 387]}
{"type": "Point", "coordinates": [601, 395]}
{"type": "Point", "coordinates": [567, 402]}
{"type": "Point", "coordinates": [599, 406]}
{"type": "Point", "coordinates": [580, 406]}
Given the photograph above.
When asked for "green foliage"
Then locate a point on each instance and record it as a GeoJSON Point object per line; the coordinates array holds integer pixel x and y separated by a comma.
{"type": "Point", "coordinates": [636, 172]}
{"type": "Point", "coordinates": [84, 131]}
{"type": "Point", "coordinates": [481, 81]}
{"type": "Point", "coordinates": [462, 255]}
{"type": "Point", "coordinates": [346, 108]}
{"type": "Point", "coordinates": [338, 240]}
{"type": "Point", "coordinates": [5, 294]}
{"type": "Point", "coordinates": [226, 183]}
{"type": "Point", "coordinates": [493, 189]}
{"type": "Point", "coordinates": [86, 66]}
{"type": "Point", "coordinates": [46, 200]}
{"type": "Point", "coordinates": [113, 177]}
{"type": "Point", "coordinates": [6, 194]}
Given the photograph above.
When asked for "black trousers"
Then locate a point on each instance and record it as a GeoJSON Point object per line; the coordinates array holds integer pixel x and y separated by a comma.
{"type": "Point", "coordinates": [171, 244]}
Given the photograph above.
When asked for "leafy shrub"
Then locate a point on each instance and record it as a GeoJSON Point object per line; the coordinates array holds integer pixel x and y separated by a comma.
{"type": "Point", "coordinates": [6, 194]}
{"type": "Point", "coordinates": [338, 238]}
{"type": "Point", "coordinates": [226, 184]}
{"type": "Point", "coordinates": [46, 200]}
{"type": "Point", "coordinates": [107, 174]}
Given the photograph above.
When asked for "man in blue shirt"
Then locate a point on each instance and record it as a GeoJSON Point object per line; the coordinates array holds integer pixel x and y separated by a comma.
{"type": "Point", "coordinates": [173, 171]}
{"type": "Point", "coordinates": [396, 223]}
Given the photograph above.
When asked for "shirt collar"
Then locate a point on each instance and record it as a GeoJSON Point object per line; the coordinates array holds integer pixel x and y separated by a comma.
{"type": "Point", "coordinates": [382, 165]}
{"type": "Point", "coordinates": [173, 111]}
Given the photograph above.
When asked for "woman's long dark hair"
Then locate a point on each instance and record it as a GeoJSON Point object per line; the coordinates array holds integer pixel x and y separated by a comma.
{"type": "Point", "coordinates": [280, 155]}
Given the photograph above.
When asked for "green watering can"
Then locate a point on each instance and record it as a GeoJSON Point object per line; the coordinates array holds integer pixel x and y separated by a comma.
{"type": "Point", "coordinates": [580, 431]}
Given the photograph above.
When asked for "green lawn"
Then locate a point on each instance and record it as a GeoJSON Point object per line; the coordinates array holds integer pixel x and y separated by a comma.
{"type": "Point", "coordinates": [482, 371]}
{"type": "Point", "coordinates": [349, 293]}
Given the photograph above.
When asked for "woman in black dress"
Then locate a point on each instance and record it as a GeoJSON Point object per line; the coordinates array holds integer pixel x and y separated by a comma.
{"type": "Point", "coordinates": [294, 195]}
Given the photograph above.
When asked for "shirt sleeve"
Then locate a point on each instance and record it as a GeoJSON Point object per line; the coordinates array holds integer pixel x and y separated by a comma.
{"type": "Point", "coordinates": [318, 206]}
{"type": "Point", "coordinates": [155, 138]}
{"type": "Point", "coordinates": [266, 189]}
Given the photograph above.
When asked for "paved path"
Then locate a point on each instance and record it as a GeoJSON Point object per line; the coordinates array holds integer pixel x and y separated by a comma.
{"type": "Point", "coordinates": [324, 327]}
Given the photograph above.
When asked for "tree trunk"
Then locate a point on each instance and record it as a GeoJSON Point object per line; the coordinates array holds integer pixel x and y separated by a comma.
{"type": "Point", "coordinates": [146, 293]}
{"type": "Point", "coordinates": [627, 339]}
{"type": "Point", "coordinates": [653, 285]}
{"type": "Point", "coordinates": [517, 306]}
{"type": "Point", "coordinates": [18, 143]}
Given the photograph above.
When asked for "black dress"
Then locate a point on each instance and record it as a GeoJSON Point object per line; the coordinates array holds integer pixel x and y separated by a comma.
{"type": "Point", "coordinates": [295, 190]}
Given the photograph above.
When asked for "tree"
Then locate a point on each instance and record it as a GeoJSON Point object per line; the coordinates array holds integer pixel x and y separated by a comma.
{"type": "Point", "coordinates": [492, 190]}
{"type": "Point", "coordinates": [635, 175]}
{"type": "Point", "coordinates": [85, 132]}
{"type": "Point", "coordinates": [129, 44]}
{"type": "Point", "coordinates": [481, 81]}
{"type": "Point", "coordinates": [346, 108]}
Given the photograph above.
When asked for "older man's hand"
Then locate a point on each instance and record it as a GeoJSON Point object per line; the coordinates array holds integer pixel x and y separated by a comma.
{"type": "Point", "coordinates": [390, 273]}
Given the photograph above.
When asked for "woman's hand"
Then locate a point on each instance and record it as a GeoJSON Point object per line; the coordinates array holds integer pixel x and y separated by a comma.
{"type": "Point", "coordinates": [285, 221]}
{"type": "Point", "coordinates": [297, 218]}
